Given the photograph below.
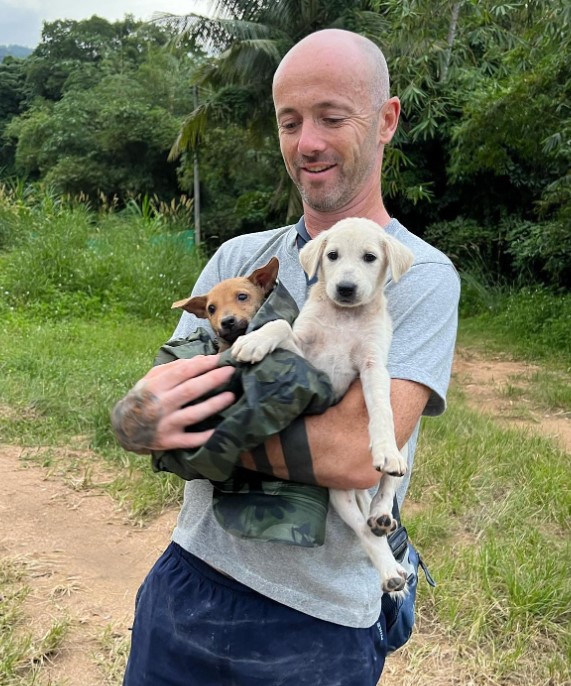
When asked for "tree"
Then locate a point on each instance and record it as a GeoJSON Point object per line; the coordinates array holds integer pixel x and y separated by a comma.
{"type": "Point", "coordinates": [94, 47]}
{"type": "Point", "coordinates": [510, 148]}
{"type": "Point", "coordinates": [13, 95]}
{"type": "Point", "coordinates": [247, 39]}
{"type": "Point", "coordinates": [112, 138]}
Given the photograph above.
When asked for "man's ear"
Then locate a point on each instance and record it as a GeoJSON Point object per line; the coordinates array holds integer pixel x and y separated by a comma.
{"type": "Point", "coordinates": [311, 253]}
{"type": "Point", "coordinates": [265, 277]}
{"type": "Point", "coordinates": [196, 305]}
{"type": "Point", "coordinates": [388, 120]}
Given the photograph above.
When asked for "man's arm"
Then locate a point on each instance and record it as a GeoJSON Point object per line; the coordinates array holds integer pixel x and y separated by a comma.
{"type": "Point", "coordinates": [338, 440]}
{"type": "Point", "coordinates": [151, 417]}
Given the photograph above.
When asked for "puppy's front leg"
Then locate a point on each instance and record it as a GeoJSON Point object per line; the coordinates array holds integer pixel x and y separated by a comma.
{"type": "Point", "coordinates": [254, 346]}
{"type": "Point", "coordinates": [376, 384]}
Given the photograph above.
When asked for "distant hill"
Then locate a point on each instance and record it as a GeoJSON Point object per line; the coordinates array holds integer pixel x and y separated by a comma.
{"type": "Point", "coordinates": [14, 50]}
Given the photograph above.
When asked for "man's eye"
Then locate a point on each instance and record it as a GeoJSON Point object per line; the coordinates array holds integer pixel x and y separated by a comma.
{"type": "Point", "coordinates": [242, 296]}
{"type": "Point", "coordinates": [332, 121]}
{"type": "Point", "coordinates": [288, 126]}
{"type": "Point", "coordinates": [332, 255]}
{"type": "Point", "coordinates": [369, 257]}
{"type": "Point", "coordinates": [211, 309]}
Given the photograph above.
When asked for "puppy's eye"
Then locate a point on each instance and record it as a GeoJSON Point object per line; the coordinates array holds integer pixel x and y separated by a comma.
{"type": "Point", "coordinates": [333, 255]}
{"type": "Point", "coordinates": [242, 296]}
{"type": "Point", "coordinates": [369, 257]}
{"type": "Point", "coordinates": [211, 309]}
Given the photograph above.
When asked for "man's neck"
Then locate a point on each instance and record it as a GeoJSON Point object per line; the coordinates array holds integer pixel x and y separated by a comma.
{"type": "Point", "coordinates": [316, 222]}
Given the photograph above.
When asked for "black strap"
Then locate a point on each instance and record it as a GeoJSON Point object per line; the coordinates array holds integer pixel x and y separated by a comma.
{"type": "Point", "coordinates": [261, 459]}
{"type": "Point", "coordinates": [396, 511]}
{"type": "Point", "coordinates": [398, 539]}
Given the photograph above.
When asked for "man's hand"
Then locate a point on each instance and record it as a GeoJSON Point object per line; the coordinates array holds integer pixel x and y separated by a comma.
{"type": "Point", "coordinates": [152, 415]}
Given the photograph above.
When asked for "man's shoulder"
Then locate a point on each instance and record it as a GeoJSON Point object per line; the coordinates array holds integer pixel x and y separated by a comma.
{"type": "Point", "coordinates": [424, 252]}
{"type": "Point", "coordinates": [238, 256]}
{"type": "Point", "coordinates": [252, 241]}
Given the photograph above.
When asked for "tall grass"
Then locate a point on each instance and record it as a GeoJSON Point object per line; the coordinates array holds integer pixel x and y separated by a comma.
{"type": "Point", "coordinates": [61, 258]}
{"type": "Point", "coordinates": [530, 323]}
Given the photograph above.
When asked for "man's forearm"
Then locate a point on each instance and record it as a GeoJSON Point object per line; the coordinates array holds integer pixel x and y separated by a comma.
{"type": "Point", "coordinates": [332, 449]}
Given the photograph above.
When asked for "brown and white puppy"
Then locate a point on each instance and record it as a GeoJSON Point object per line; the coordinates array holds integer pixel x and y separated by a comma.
{"type": "Point", "coordinates": [231, 304]}
{"type": "Point", "coordinates": [344, 329]}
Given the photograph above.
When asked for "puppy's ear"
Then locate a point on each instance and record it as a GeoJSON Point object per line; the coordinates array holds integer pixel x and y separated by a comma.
{"type": "Point", "coordinates": [265, 277]}
{"type": "Point", "coordinates": [196, 305]}
{"type": "Point", "coordinates": [399, 257]}
{"type": "Point", "coordinates": [311, 253]}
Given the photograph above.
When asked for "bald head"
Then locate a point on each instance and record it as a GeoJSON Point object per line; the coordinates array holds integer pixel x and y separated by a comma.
{"type": "Point", "coordinates": [341, 48]}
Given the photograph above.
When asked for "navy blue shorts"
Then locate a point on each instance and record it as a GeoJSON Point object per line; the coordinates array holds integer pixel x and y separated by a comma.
{"type": "Point", "coordinates": [196, 627]}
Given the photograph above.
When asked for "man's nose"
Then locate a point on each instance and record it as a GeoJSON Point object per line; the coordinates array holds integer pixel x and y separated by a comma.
{"type": "Point", "coordinates": [310, 139]}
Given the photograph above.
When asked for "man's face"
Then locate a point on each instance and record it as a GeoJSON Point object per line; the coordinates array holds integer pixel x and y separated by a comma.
{"type": "Point", "coordinates": [328, 130]}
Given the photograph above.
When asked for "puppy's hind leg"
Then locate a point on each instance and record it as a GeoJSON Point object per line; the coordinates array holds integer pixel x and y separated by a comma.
{"type": "Point", "coordinates": [348, 505]}
{"type": "Point", "coordinates": [380, 518]}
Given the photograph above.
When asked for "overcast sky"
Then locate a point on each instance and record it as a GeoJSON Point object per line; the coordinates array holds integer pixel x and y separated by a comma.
{"type": "Point", "coordinates": [21, 20]}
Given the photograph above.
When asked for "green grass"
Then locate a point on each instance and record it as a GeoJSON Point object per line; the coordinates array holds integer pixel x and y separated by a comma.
{"type": "Point", "coordinates": [60, 377]}
{"type": "Point", "coordinates": [59, 380]}
{"type": "Point", "coordinates": [492, 518]}
{"type": "Point", "coordinates": [22, 651]}
{"type": "Point", "coordinates": [62, 259]}
{"type": "Point", "coordinates": [532, 324]}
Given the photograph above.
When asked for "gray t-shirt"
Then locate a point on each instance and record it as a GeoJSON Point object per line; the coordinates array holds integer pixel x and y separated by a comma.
{"type": "Point", "coordinates": [336, 581]}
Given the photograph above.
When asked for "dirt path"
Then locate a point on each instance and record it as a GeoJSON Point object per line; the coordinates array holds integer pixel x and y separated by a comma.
{"type": "Point", "coordinates": [486, 380]}
{"type": "Point", "coordinates": [85, 560]}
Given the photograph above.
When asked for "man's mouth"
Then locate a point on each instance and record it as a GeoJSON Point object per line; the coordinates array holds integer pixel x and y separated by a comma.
{"type": "Point", "coordinates": [317, 169]}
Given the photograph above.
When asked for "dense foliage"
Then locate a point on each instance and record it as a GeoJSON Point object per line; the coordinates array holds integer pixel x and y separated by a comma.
{"type": "Point", "coordinates": [480, 165]}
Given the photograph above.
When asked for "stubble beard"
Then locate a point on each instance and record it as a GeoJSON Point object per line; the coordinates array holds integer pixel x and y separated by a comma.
{"type": "Point", "coordinates": [335, 198]}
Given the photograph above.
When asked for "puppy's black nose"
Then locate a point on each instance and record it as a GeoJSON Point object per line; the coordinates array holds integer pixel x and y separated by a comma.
{"type": "Point", "coordinates": [228, 323]}
{"type": "Point", "coordinates": [346, 290]}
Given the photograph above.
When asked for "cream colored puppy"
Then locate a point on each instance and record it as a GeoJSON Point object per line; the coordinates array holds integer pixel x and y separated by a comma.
{"type": "Point", "coordinates": [345, 330]}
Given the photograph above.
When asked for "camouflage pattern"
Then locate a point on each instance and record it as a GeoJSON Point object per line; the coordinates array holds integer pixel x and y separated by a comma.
{"type": "Point", "coordinates": [251, 505]}
{"type": "Point", "coordinates": [270, 395]}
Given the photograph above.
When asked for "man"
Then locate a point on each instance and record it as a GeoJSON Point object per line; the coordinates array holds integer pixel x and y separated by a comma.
{"type": "Point", "coordinates": [217, 609]}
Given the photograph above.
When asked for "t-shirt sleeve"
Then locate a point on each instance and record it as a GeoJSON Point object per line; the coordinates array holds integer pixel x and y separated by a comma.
{"type": "Point", "coordinates": [424, 309]}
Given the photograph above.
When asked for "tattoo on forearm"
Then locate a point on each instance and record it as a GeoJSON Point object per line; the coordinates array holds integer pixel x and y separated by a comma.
{"type": "Point", "coordinates": [297, 454]}
{"type": "Point", "coordinates": [261, 460]}
{"type": "Point", "coordinates": [135, 419]}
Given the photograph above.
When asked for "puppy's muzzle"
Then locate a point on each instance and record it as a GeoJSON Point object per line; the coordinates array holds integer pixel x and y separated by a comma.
{"type": "Point", "coordinates": [232, 327]}
{"type": "Point", "coordinates": [346, 292]}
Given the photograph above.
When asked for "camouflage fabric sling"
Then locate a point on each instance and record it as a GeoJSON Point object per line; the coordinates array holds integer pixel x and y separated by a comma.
{"type": "Point", "coordinates": [270, 395]}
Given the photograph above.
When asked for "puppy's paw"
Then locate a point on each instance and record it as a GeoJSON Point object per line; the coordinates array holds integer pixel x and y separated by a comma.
{"type": "Point", "coordinates": [393, 581]}
{"type": "Point", "coordinates": [388, 460]}
{"type": "Point", "coordinates": [252, 347]}
{"type": "Point", "coordinates": [383, 524]}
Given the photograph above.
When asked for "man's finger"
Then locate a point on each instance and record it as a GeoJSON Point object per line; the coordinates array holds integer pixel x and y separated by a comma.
{"type": "Point", "coordinates": [195, 388]}
{"type": "Point", "coordinates": [197, 413]}
{"type": "Point", "coordinates": [164, 377]}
